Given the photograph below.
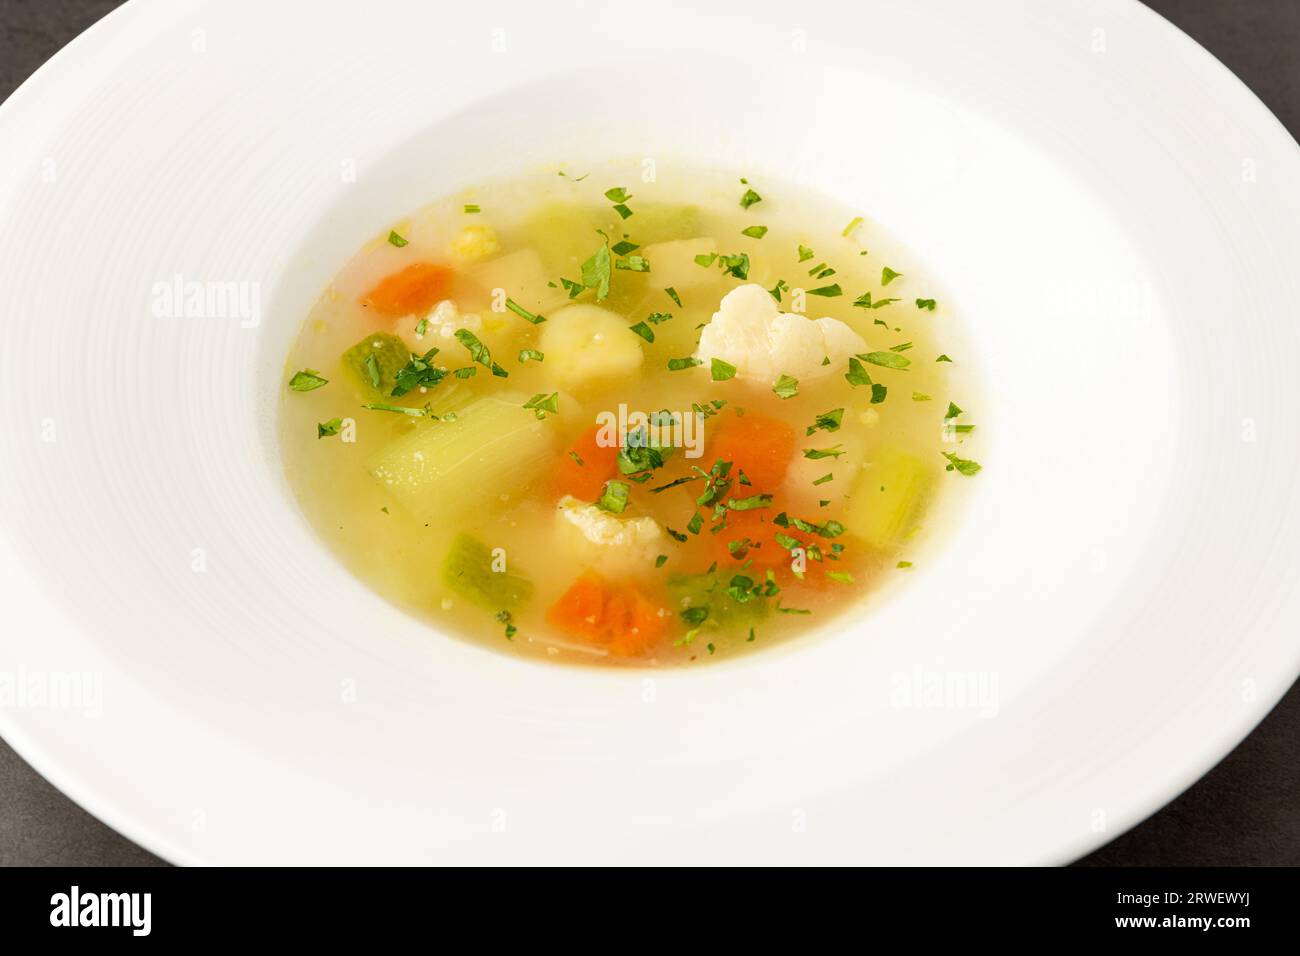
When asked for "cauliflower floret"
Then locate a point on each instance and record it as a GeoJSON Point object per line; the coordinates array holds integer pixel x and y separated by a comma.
{"type": "Point", "coordinates": [605, 540]}
{"type": "Point", "coordinates": [445, 318]}
{"type": "Point", "coordinates": [750, 332]}
{"type": "Point", "coordinates": [476, 242]}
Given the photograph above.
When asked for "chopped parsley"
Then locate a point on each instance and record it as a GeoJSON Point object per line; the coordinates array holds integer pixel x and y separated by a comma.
{"type": "Point", "coordinates": [530, 355]}
{"type": "Point", "coordinates": [817, 454]}
{"type": "Point", "coordinates": [829, 291]}
{"type": "Point", "coordinates": [425, 412]}
{"type": "Point", "coordinates": [786, 387]}
{"type": "Point", "coordinates": [672, 294]}
{"type": "Point", "coordinates": [633, 264]}
{"type": "Point", "coordinates": [541, 403]}
{"type": "Point", "coordinates": [523, 313]}
{"type": "Point", "coordinates": [331, 427]}
{"type": "Point", "coordinates": [396, 240]}
{"type": "Point", "coordinates": [754, 232]}
{"type": "Point", "coordinates": [677, 364]}
{"type": "Point", "coordinates": [307, 380]}
{"type": "Point", "coordinates": [887, 359]}
{"type": "Point", "coordinates": [596, 272]}
{"type": "Point", "coordinates": [419, 372]}
{"type": "Point", "coordinates": [614, 498]}
{"type": "Point", "coordinates": [749, 199]}
{"type": "Point", "coordinates": [722, 371]}
{"type": "Point", "coordinates": [961, 465]}
{"type": "Point", "coordinates": [888, 275]}
{"type": "Point", "coordinates": [827, 421]}
{"type": "Point", "coordinates": [864, 301]}
{"type": "Point", "coordinates": [927, 304]}
{"type": "Point", "coordinates": [737, 265]}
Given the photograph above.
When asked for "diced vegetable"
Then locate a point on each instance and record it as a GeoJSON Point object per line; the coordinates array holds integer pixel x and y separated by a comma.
{"type": "Point", "coordinates": [565, 233]}
{"type": "Point", "coordinates": [616, 616]}
{"type": "Point", "coordinates": [523, 279]}
{"type": "Point", "coordinates": [377, 357]}
{"type": "Point", "coordinates": [759, 446]}
{"type": "Point", "coordinates": [888, 498]}
{"type": "Point", "coordinates": [584, 469]}
{"type": "Point", "coordinates": [414, 290]}
{"type": "Point", "coordinates": [594, 536]}
{"type": "Point", "coordinates": [659, 222]}
{"type": "Point", "coordinates": [447, 468]}
{"type": "Point", "coordinates": [750, 331]}
{"type": "Point", "coordinates": [476, 242]}
{"type": "Point", "coordinates": [467, 570]}
{"type": "Point", "coordinates": [673, 263]}
{"type": "Point", "coordinates": [586, 345]}
{"type": "Point", "coordinates": [756, 528]}
{"type": "Point", "coordinates": [710, 590]}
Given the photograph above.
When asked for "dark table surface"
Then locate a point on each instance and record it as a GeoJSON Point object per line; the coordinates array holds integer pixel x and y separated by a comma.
{"type": "Point", "coordinates": [1246, 811]}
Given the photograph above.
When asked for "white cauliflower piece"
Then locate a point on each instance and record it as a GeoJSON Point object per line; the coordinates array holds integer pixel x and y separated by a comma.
{"type": "Point", "coordinates": [605, 540]}
{"type": "Point", "coordinates": [750, 332]}
{"type": "Point", "coordinates": [445, 318]}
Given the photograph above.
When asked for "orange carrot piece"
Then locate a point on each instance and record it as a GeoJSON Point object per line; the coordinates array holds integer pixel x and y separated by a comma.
{"type": "Point", "coordinates": [599, 464]}
{"type": "Point", "coordinates": [617, 616]}
{"type": "Point", "coordinates": [413, 290]}
{"type": "Point", "coordinates": [758, 527]}
{"type": "Point", "coordinates": [759, 446]}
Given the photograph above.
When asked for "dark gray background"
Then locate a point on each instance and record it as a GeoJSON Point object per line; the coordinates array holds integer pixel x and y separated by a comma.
{"type": "Point", "coordinates": [1246, 811]}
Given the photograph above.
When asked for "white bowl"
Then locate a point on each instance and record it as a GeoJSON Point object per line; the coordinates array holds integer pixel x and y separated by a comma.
{"type": "Point", "coordinates": [1115, 217]}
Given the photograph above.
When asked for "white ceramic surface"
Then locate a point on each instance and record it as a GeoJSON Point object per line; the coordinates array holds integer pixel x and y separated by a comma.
{"type": "Point", "coordinates": [1114, 215]}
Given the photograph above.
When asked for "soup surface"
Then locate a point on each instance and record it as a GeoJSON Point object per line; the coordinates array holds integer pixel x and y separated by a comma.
{"type": "Point", "coordinates": [628, 417]}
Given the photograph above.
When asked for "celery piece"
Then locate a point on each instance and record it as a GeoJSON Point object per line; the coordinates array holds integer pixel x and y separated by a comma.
{"type": "Point", "coordinates": [710, 590]}
{"type": "Point", "coordinates": [565, 234]}
{"type": "Point", "coordinates": [888, 498]}
{"type": "Point", "coordinates": [454, 467]}
{"type": "Point", "coordinates": [467, 570]}
{"type": "Point", "coordinates": [390, 353]}
{"type": "Point", "coordinates": [662, 222]}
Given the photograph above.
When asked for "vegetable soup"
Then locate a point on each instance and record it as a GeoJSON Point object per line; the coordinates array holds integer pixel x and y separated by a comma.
{"type": "Point", "coordinates": [629, 417]}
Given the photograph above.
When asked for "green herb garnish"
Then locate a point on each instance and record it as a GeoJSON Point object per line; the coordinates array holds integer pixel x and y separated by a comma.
{"type": "Point", "coordinates": [307, 380]}
{"type": "Point", "coordinates": [722, 371]}
{"type": "Point", "coordinates": [614, 498]}
{"type": "Point", "coordinates": [887, 359]}
{"type": "Point", "coordinates": [961, 465]}
{"type": "Point", "coordinates": [786, 387]}
{"type": "Point", "coordinates": [523, 313]}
